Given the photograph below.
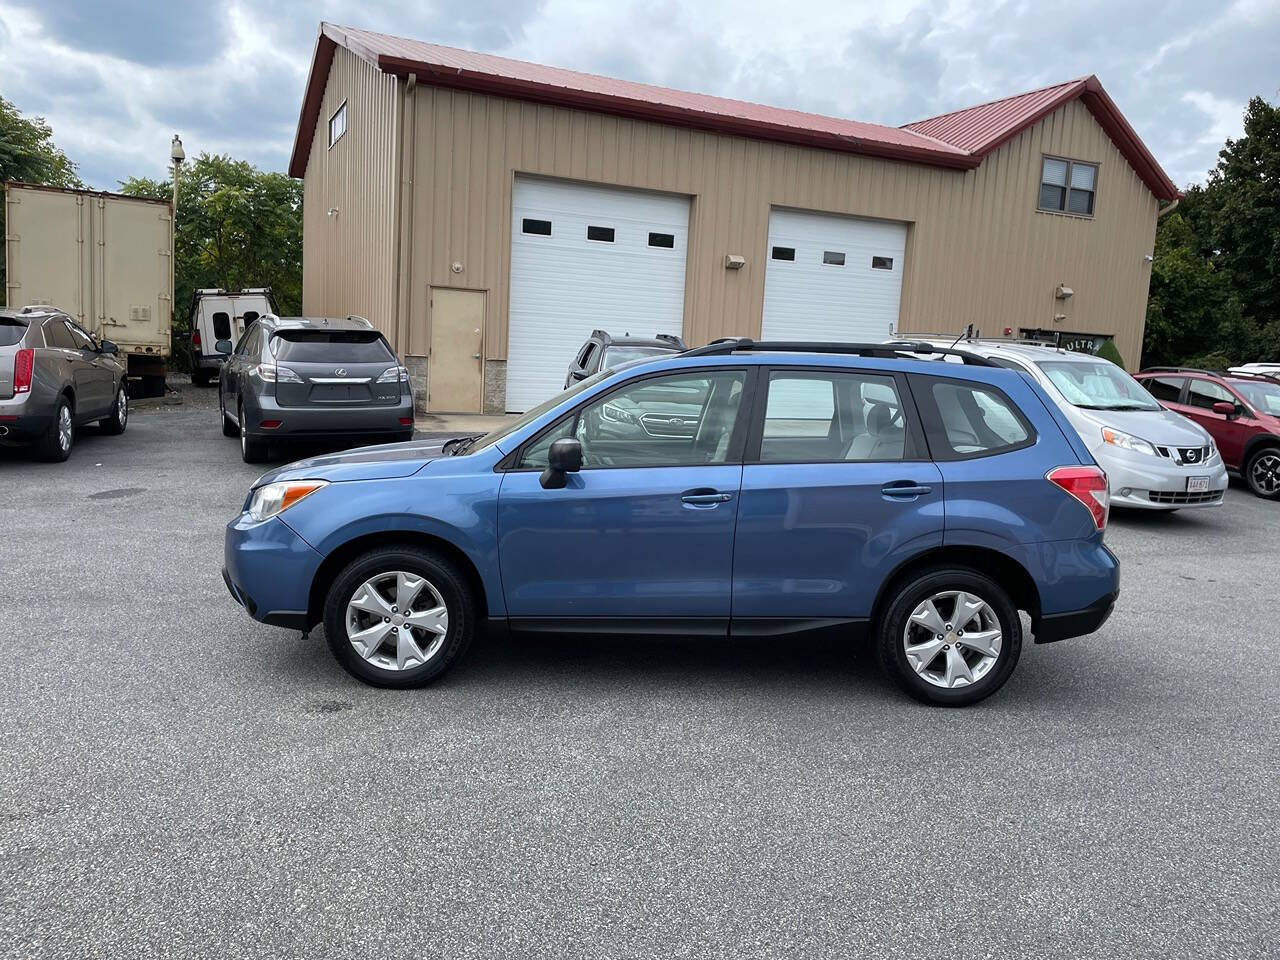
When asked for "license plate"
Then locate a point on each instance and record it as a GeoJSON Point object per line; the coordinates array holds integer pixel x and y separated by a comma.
{"type": "Point", "coordinates": [1197, 484]}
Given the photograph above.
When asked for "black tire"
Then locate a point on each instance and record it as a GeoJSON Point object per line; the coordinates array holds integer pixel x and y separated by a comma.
{"type": "Point", "coordinates": [453, 588]}
{"type": "Point", "coordinates": [119, 418]}
{"type": "Point", "coordinates": [201, 378]}
{"type": "Point", "coordinates": [229, 429]}
{"type": "Point", "coordinates": [404, 437]}
{"type": "Point", "coordinates": [252, 450]}
{"type": "Point", "coordinates": [1262, 473]}
{"type": "Point", "coordinates": [912, 592]}
{"type": "Point", "coordinates": [52, 447]}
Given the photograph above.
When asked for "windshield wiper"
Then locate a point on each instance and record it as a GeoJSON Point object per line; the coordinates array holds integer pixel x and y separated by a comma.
{"type": "Point", "coordinates": [459, 444]}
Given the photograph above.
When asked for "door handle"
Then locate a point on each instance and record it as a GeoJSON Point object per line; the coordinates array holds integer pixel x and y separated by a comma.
{"type": "Point", "coordinates": [704, 497]}
{"type": "Point", "coordinates": [905, 488]}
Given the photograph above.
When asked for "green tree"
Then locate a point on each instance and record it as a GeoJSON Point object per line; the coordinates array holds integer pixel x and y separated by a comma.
{"type": "Point", "coordinates": [28, 153]}
{"type": "Point", "coordinates": [237, 226]}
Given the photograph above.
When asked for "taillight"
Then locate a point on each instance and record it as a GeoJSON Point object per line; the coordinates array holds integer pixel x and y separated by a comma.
{"type": "Point", "coordinates": [24, 362]}
{"type": "Point", "coordinates": [195, 339]}
{"type": "Point", "coordinates": [1089, 486]}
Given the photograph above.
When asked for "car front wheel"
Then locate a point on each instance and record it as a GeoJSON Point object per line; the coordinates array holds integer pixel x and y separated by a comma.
{"type": "Point", "coordinates": [1262, 473]}
{"type": "Point", "coordinates": [950, 636]}
{"type": "Point", "coordinates": [399, 617]}
{"type": "Point", "coordinates": [119, 418]}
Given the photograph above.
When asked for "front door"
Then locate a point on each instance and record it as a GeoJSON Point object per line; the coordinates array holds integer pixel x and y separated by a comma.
{"type": "Point", "coordinates": [644, 533]}
{"type": "Point", "coordinates": [455, 359]}
{"type": "Point", "coordinates": [1229, 433]}
{"type": "Point", "coordinates": [834, 496]}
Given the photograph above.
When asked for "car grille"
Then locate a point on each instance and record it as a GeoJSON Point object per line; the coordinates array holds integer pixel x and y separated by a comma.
{"type": "Point", "coordinates": [1185, 499]}
{"type": "Point", "coordinates": [1186, 455]}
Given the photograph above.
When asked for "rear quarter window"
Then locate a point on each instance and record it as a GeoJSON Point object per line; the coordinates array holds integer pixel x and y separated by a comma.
{"type": "Point", "coordinates": [965, 420]}
{"type": "Point", "coordinates": [329, 346]}
{"type": "Point", "coordinates": [11, 333]}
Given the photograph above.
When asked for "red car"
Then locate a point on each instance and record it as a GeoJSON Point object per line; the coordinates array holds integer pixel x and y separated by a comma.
{"type": "Point", "coordinates": [1240, 411]}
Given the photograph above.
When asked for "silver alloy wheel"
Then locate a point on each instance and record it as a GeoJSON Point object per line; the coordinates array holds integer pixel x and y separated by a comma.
{"type": "Point", "coordinates": [122, 408]}
{"type": "Point", "coordinates": [397, 620]}
{"type": "Point", "coordinates": [64, 428]}
{"type": "Point", "coordinates": [1265, 473]}
{"type": "Point", "coordinates": [244, 435]}
{"type": "Point", "coordinates": [953, 639]}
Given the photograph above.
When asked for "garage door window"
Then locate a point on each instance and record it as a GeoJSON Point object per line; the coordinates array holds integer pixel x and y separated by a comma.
{"type": "Point", "coordinates": [784, 253]}
{"type": "Point", "coordinates": [541, 228]}
{"type": "Point", "coordinates": [680, 420]}
{"type": "Point", "coordinates": [667, 240]}
{"type": "Point", "coordinates": [833, 258]}
{"type": "Point", "coordinates": [882, 263]}
{"type": "Point", "coordinates": [600, 234]}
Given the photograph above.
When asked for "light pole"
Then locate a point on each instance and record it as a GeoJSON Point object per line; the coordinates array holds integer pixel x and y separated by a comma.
{"type": "Point", "coordinates": [177, 155]}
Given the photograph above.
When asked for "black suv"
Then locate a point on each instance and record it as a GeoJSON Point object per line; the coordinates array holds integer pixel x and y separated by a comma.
{"type": "Point", "coordinates": [299, 378]}
{"type": "Point", "coordinates": [604, 351]}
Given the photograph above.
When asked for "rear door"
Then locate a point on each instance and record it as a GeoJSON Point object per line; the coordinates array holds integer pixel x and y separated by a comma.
{"type": "Point", "coordinates": [837, 490]}
{"type": "Point", "coordinates": [334, 368]}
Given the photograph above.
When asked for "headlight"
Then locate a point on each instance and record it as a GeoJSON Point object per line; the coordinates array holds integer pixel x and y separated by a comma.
{"type": "Point", "coordinates": [275, 498]}
{"type": "Point", "coordinates": [1126, 441]}
{"type": "Point", "coordinates": [614, 413]}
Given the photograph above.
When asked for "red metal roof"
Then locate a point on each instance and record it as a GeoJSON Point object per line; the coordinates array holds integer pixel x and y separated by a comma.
{"type": "Point", "coordinates": [448, 66]}
{"type": "Point", "coordinates": [980, 130]}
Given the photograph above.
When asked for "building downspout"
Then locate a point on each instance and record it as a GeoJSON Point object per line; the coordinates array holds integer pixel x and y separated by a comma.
{"type": "Point", "coordinates": [1169, 209]}
{"type": "Point", "coordinates": [404, 214]}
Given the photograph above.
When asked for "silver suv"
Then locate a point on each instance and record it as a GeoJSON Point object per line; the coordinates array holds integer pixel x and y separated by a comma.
{"type": "Point", "coordinates": [55, 377]}
{"type": "Point", "coordinates": [311, 378]}
{"type": "Point", "coordinates": [1155, 459]}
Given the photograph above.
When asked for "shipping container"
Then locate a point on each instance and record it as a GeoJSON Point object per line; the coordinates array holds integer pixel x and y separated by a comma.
{"type": "Point", "coordinates": [105, 259]}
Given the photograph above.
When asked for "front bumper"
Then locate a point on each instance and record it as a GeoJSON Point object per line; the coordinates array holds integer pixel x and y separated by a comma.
{"type": "Point", "coordinates": [269, 570]}
{"type": "Point", "coordinates": [1145, 482]}
{"type": "Point", "coordinates": [317, 421]}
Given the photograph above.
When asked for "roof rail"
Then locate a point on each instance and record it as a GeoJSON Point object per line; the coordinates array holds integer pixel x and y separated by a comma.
{"type": "Point", "coordinates": [897, 349]}
{"type": "Point", "coordinates": [1212, 373]}
{"type": "Point", "coordinates": [1253, 375]}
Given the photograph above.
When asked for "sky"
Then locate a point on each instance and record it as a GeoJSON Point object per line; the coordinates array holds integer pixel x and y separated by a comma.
{"type": "Point", "coordinates": [117, 78]}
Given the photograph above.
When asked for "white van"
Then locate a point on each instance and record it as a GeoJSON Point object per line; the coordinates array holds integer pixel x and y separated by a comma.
{"type": "Point", "coordinates": [218, 319]}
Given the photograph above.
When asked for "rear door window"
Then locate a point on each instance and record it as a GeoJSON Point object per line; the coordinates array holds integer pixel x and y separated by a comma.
{"type": "Point", "coordinates": [1166, 389]}
{"type": "Point", "coordinates": [966, 420]}
{"type": "Point", "coordinates": [827, 415]}
{"type": "Point", "coordinates": [329, 346]}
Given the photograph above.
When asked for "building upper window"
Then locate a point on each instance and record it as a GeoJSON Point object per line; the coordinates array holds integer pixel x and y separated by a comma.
{"type": "Point", "coordinates": [1068, 186]}
{"type": "Point", "coordinates": [338, 124]}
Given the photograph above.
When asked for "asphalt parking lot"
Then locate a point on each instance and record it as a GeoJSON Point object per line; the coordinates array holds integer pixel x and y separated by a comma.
{"type": "Point", "coordinates": [179, 780]}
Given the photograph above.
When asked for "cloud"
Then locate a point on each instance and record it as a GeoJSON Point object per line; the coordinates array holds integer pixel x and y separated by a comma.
{"type": "Point", "coordinates": [115, 79]}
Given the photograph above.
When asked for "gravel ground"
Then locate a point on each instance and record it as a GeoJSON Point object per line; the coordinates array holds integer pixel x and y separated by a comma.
{"type": "Point", "coordinates": [180, 781]}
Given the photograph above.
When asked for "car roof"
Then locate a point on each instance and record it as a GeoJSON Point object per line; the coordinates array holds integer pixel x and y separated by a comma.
{"type": "Point", "coordinates": [668, 342]}
{"type": "Point", "coordinates": [1022, 349]}
{"type": "Point", "coordinates": [315, 323]}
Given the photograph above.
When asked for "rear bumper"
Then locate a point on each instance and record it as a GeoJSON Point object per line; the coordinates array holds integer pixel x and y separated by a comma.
{"type": "Point", "coordinates": [269, 570]}
{"type": "Point", "coordinates": [1076, 623]}
{"type": "Point", "coordinates": [303, 422]}
{"type": "Point", "coordinates": [22, 420]}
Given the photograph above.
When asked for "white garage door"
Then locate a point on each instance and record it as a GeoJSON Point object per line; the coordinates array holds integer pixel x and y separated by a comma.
{"type": "Point", "coordinates": [587, 257]}
{"type": "Point", "coordinates": [832, 278]}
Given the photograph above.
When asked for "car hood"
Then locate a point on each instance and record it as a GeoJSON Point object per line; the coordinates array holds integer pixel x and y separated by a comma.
{"type": "Point", "coordinates": [1162, 427]}
{"type": "Point", "coordinates": [383, 462]}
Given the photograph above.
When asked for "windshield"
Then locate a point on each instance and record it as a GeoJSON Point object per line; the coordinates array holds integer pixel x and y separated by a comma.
{"type": "Point", "coordinates": [1263, 396]}
{"type": "Point", "coordinates": [330, 346]}
{"type": "Point", "coordinates": [1099, 385]}
{"type": "Point", "coordinates": [616, 356]}
{"type": "Point", "coordinates": [489, 439]}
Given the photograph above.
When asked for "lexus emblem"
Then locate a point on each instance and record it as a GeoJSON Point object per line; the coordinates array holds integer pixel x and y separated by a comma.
{"type": "Point", "coordinates": [340, 372]}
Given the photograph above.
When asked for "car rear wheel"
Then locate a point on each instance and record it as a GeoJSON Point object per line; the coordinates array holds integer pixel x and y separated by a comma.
{"type": "Point", "coordinates": [54, 445]}
{"type": "Point", "coordinates": [251, 450]}
{"type": "Point", "coordinates": [201, 378]}
{"type": "Point", "coordinates": [1262, 473]}
{"type": "Point", "coordinates": [399, 617]}
{"type": "Point", "coordinates": [119, 418]}
{"type": "Point", "coordinates": [950, 636]}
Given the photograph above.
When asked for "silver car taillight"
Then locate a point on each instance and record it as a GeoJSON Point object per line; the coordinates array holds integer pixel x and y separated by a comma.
{"type": "Point", "coordinates": [393, 375]}
{"type": "Point", "coordinates": [275, 373]}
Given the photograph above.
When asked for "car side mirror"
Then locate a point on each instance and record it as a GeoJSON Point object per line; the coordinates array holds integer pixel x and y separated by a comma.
{"type": "Point", "coordinates": [222, 346]}
{"type": "Point", "coordinates": [1226, 409]}
{"type": "Point", "coordinates": [106, 346]}
{"type": "Point", "coordinates": [564, 457]}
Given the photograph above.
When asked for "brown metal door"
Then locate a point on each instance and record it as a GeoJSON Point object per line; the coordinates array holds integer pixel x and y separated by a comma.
{"type": "Point", "coordinates": [455, 364]}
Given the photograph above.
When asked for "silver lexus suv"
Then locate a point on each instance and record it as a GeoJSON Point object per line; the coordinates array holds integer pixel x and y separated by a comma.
{"type": "Point", "coordinates": [1155, 459]}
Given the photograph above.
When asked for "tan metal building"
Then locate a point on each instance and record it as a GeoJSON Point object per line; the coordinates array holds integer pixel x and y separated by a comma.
{"type": "Point", "coordinates": [488, 213]}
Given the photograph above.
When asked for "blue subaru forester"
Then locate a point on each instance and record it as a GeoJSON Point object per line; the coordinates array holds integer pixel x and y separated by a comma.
{"type": "Point", "coordinates": [737, 489]}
